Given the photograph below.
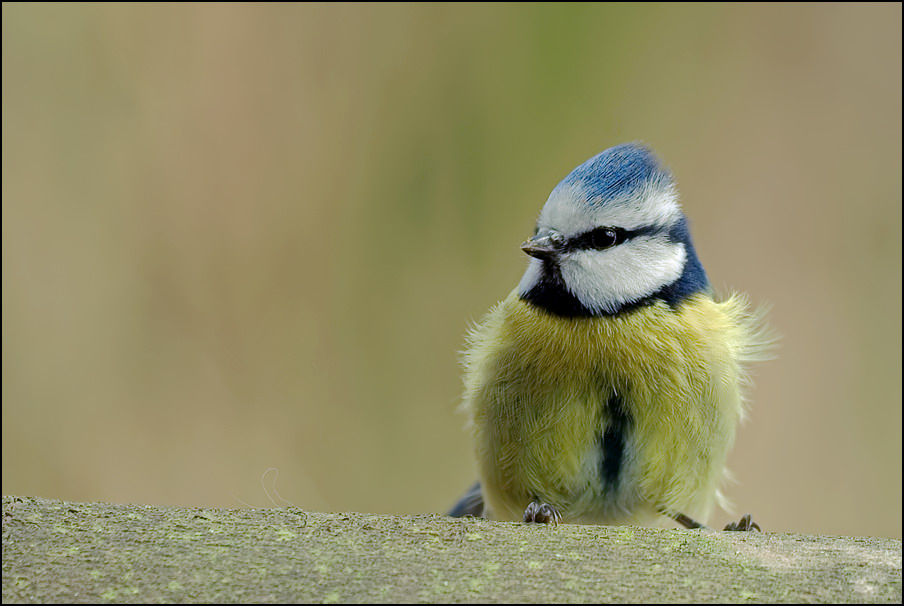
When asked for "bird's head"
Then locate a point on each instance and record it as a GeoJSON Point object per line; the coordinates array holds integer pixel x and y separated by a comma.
{"type": "Point", "coordinates": [610, 237]}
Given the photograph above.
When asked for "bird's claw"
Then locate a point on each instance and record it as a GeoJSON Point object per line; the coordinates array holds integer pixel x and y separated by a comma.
{"type": "Point", "coordinates": [746, 523]}
{"type": "Point", "coordinates": [541, 513]}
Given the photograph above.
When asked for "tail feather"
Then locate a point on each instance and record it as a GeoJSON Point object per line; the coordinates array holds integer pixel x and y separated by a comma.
{"type": "Point", "coordinates": [469, 505]}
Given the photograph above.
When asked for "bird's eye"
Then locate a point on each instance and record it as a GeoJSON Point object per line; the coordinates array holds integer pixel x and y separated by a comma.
{"type": "Point", "coordinates": [603, 237]}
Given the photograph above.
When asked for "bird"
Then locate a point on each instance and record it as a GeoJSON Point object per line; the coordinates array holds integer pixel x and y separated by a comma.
{"type": "Point", "coordinates": [607, 387]}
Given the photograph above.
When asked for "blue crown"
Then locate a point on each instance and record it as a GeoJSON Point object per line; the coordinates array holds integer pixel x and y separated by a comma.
{"type": "Point", "coordinates": [618, 172]}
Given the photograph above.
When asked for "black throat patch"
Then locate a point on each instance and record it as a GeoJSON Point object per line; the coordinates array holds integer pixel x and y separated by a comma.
{"type": "Point", "coordinates": [551, 294]}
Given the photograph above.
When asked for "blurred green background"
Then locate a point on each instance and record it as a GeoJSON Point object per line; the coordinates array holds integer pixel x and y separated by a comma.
{"type": "Point", "coordinates": [241, 237]}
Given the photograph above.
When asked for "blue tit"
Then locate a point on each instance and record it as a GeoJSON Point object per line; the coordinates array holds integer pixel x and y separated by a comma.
{"type": "Point", "coordinates": [607, 387]}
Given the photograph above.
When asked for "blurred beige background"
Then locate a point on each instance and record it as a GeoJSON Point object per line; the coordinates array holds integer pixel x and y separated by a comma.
{"type": "Point", "coordinates": [242, 237]}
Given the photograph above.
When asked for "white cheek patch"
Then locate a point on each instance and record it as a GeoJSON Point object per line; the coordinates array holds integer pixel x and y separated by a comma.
{"type": "Point", "coordinates": [531, 277]}
{"type": "Point", "coordinates": [605, 280]}
{"type": "Point", "coordinates": [570, 212]}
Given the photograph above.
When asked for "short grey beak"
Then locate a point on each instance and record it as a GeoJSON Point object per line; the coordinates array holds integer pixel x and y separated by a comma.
{"type": "Point", "coordinates": [545, 245]}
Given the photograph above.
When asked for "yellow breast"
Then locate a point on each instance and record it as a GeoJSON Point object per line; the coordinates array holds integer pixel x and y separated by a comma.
{"type": "Point", "coordinates": [537, 388]}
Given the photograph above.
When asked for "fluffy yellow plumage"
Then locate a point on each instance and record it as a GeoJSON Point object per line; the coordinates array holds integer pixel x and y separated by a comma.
{"type": "Point", "coordinates": [534, 398]}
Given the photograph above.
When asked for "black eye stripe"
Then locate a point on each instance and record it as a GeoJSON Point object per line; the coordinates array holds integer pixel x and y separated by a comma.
{"type": "Point", "coordinates": [602, 238]}
{"type": "Point", "coordinates": [597, 239]}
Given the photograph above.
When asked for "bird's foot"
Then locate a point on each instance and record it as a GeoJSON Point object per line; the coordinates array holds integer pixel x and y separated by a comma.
{"type": "Point", "coordinates": [746, 523]}
{"type": "Point", "coordinates": [541, 513]}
